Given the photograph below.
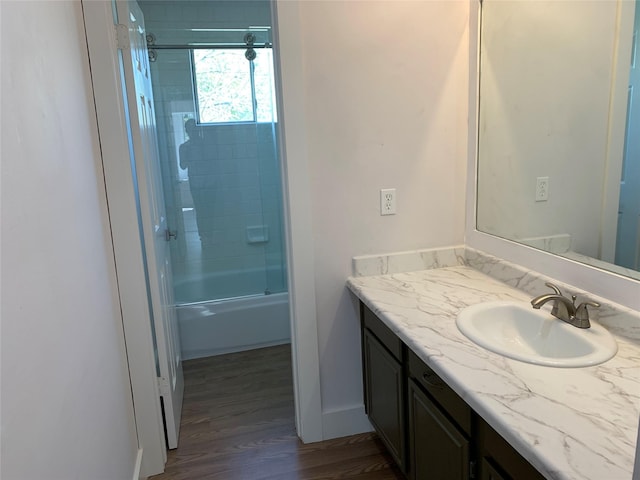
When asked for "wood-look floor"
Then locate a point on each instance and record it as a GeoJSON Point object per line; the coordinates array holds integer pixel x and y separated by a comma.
{"type": "Point", "coordinates": [238, 424]}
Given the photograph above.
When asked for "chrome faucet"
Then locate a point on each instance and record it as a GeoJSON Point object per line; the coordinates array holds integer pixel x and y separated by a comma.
{"type": "Point", "coordinates": [565, 309]}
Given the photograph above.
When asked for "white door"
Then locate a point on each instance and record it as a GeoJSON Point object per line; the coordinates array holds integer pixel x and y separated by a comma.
{"type": "Point", "coordinates": [156, 232]}
{"type": "Point", "coordinates": [628, 238]}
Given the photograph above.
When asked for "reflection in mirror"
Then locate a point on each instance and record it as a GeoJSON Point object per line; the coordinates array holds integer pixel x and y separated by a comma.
{"type": "Point", "coordinates": [559, 128]}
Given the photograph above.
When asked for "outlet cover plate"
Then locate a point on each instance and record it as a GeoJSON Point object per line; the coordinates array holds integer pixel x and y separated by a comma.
{"type": "Point", "coordinates": [388, 201]}
{"type": "Point", "coordinates": [542, 189]}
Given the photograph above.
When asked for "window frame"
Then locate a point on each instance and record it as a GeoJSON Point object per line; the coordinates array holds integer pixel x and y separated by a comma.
{"type": "Point", "coordinates": [254, 106]}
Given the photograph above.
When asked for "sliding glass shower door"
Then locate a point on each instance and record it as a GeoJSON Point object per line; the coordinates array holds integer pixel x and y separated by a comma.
{"type": "Point", "coordinates": [217, 122]}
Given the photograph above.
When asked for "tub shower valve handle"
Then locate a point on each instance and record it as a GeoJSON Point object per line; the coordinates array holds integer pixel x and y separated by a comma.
{"type": "Point", "coordinates": [168, 234]}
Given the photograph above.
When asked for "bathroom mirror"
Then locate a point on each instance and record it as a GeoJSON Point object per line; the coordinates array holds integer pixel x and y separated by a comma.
{"type": "Point", "coordinates": [559, 128]}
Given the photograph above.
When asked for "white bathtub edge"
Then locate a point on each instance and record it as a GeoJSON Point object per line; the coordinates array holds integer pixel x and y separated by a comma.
{"type": "Point", "coordinates": [233, 325]}
{"type": "Point", "coordinates": [192, 355]}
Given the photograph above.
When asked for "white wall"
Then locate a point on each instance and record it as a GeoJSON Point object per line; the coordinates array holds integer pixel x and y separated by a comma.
{"type": "Point", "coordinates": [386, 100]}
{"type": "Point", "coordinates": [66, 401]}
{"type": "Point", "coordinates": [544, 112]}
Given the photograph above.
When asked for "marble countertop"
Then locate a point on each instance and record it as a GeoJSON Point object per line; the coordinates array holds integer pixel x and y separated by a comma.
{"type": "Point", "coordinates": [570, 423]}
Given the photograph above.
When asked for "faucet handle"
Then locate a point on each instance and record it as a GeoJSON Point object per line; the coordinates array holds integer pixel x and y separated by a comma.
{"type": "Point", "coordinates": [582, 314]}
{"type": "Point", "coordinates": [555, 289]}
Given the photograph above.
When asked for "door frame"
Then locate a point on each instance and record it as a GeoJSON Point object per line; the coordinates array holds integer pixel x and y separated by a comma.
{"type": "Point", "coordinates": [296, 178]}
{"type": "Point", "coordinates": [112, 127]}
{"type": "Point", "coordinates": [109, 98]}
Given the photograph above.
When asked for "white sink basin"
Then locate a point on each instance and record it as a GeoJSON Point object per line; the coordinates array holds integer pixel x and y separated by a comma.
{"type": "Point", "coordinates": [517, 331]}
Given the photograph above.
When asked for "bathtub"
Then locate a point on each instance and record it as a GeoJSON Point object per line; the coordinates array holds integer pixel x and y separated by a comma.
{"type": "Point", "coordinates": [199, 287]}
{"type": "Point", "coordinates": [233, 325]}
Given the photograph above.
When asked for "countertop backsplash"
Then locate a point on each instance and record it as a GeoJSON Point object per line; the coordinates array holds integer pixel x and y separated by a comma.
{"type": "Point", "coordinates": [409, 261]}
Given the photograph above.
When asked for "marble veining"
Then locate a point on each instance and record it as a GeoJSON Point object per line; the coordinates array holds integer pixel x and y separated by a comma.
{"type": "Point", "coordinates": [570, 423]}
{"type": "Point", "coordinates": [408, 261]}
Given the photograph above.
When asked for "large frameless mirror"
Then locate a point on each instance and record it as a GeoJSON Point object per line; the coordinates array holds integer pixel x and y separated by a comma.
{"type": "Point", "coordinates": [559, 128]}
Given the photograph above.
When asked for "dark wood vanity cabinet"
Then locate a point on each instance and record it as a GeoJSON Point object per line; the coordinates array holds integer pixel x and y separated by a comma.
{"type": "Point", "coordinates": [384, 385]}
{"type": "Point", "coordinates": [490, 471]}
{"type": "Point", "coordinates": [429, 430]}
{"type": "Point", "coordinates": [499, 460]}
{"type": "Point", "coordinates": [438, 449]}
{"type": "Point", "coordinates": [439, 424]}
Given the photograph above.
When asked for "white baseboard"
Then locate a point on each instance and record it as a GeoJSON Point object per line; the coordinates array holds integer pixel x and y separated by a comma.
{"type": "Point", "coordinates": [138, 467]}
{"type": "Point", "coordinates": [345, 422]}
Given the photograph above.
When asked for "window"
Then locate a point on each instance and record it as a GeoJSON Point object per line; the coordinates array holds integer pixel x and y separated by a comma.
{"type": "Point", "coordinates": [229, 88]}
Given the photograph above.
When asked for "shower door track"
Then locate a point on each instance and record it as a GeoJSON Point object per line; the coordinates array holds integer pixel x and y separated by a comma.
{"type": "Point", "coordinates": [210, 46]}
{"type": "Point", "coordinates": [223, 300]}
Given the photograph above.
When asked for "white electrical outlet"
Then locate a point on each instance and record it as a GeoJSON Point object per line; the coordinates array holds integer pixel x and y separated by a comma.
{"type": "Point", "coordinates": [542, 189]}
{"type": "Point", "coordinates": [388, 201]}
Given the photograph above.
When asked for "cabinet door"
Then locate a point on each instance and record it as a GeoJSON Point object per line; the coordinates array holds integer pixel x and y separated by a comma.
{"type": "Point", "coordinates": [385, 396]}
{"type": "Point", "coordinates": [500, 460]}
{"type": "Point", "coordinates": [490, 472]}
{"type": "Point", "coordinates": [438, 450]}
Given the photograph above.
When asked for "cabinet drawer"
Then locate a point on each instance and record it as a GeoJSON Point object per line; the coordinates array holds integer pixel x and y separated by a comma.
{"type": "Point", "coordinates": [447, 399]}
{"type": "Point", "coordinates": [382, 332]}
